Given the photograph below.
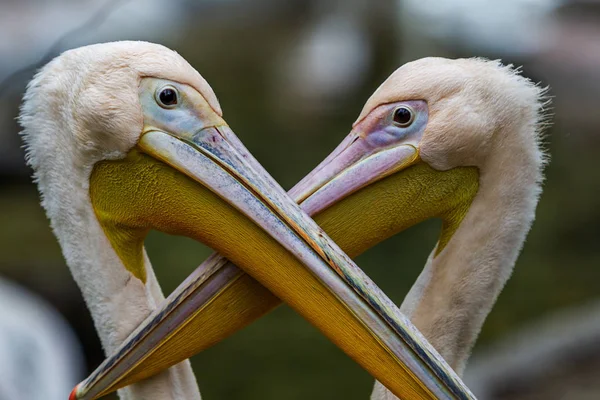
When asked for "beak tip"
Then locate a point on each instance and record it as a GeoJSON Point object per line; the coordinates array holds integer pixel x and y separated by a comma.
{"type": "Point", "coordinates": [73, 395]}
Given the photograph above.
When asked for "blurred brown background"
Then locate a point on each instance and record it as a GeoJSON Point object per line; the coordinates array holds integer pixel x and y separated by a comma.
{"type": "Point", "coordinates": [292, 77]}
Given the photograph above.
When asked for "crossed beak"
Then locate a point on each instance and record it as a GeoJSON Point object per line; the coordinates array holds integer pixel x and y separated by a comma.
{"type": "Point", "coordinates": [226, 200]}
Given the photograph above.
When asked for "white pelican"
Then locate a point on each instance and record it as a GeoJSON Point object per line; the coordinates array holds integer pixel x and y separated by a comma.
{"type": "Point", "coordinates": [127, 137]}
{"type": "Point", "coordinates": [454, 139]}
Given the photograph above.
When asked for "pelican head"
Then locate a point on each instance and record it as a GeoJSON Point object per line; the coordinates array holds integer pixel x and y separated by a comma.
{"type": "Point", "coordinates": [434, 111]}
{"type": "Point", "coordinates": [110, 102]}
{"type": "Point", "coordinates": [127, 137]}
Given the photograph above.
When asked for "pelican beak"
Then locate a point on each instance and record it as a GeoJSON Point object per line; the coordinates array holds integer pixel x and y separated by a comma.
{"type": "Point", "coordinates": [356, 163]}
{"type": "Point", "coordinates": [190, 175]}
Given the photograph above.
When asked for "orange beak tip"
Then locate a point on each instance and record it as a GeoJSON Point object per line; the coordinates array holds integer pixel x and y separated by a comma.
{"type": "Point", "coordinates": [73, 395]}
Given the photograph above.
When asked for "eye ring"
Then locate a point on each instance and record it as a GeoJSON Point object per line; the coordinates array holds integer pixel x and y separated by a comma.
{"type": "Point", "coordinates": [403, 116]}
{"type": "Point", "coordinates": [167, 96]}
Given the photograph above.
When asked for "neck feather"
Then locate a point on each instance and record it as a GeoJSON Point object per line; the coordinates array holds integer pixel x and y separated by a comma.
{"type": "Point", "coordinates": [457, 289]}
{"type": "Point", "coordinates": [117, 301]}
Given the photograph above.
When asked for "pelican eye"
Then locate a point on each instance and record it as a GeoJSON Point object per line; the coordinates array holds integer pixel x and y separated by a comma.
{"type": "Point", "coordinates": [403, 116]}
{"type": "Point", "coordinates": [167, 97]}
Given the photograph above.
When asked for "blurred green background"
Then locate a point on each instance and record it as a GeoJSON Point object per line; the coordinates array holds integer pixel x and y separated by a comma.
{"type": "Point", "coordinates": [291, 78]}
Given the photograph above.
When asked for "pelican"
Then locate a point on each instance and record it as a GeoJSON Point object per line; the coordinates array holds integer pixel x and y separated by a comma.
{"type": "Point", "coordinates": [127, 137]}
{"type": "Point", "coordinates": [457, 140]}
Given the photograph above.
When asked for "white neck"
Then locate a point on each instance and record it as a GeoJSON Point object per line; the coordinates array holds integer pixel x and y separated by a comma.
{"type": "Point", "coordinates": [457, 289]}
{"type": "Point", "coordinates": [117, 301]}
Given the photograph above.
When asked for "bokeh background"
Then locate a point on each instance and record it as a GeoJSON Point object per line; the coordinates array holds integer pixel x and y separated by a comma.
{"type": "Point", "coordinates": [291, 77]}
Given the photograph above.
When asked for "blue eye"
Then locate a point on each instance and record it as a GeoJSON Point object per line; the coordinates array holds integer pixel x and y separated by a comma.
{"type": "Point", "coordinates": [403, 116]}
